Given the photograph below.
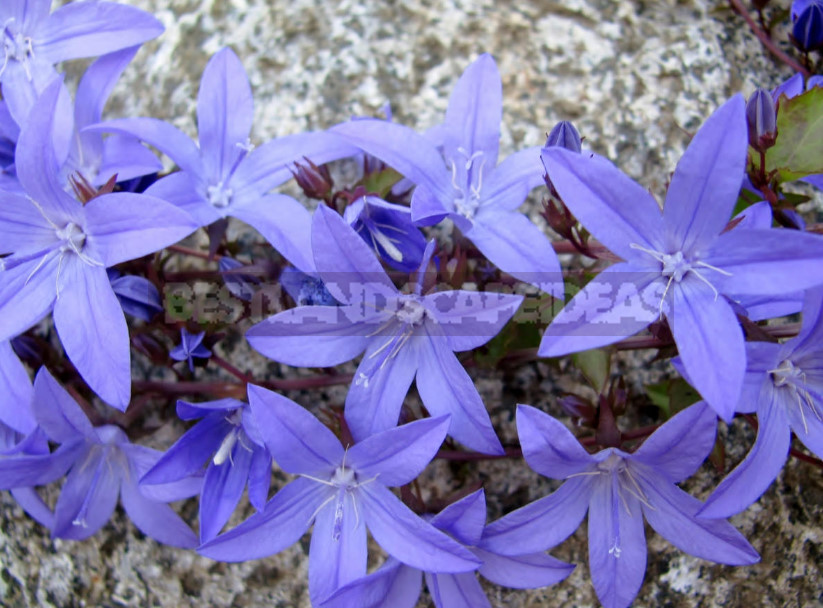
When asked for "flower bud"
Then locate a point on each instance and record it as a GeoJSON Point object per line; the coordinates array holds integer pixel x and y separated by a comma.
{"type": "Point", "coordinates": [315, 181]}
{"type": "Point", "coordinates": [807, 30]}
{"type": "Point", "coordinates": [564, 135]}
{"type": "Point", "coordinates": [762, 120]}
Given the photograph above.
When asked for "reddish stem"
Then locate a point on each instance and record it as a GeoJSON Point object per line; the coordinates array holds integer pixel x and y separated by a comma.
{"type": "Point", "coordinates": [737, 6]}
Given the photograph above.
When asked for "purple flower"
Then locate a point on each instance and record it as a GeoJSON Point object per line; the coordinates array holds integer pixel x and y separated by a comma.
{"type": "Point", "coordinates": [807, 29]}
{"type": "Point", "coordinates": [101, 464]}
{"type": "Point", "coordinates": [342, 491]}
{"type": "Point", "coordinates": [241, 285]}
{"type": "Point", "coordinates": [404, 335]}
{"type": "Point", "coordinates": [60, 251]}
{"type": "Point", "coordinates": [680, 263]}
{"type": "Point", "coordinates": [396, 584]}
{"type": "Point", "coordinates": [137, 295]}
{"type": "Point", "coordinates": [305, 289]}
{"type": "Point", "coordinates": [389, 230]}
{"type": "Point", "coordinates": [470, 188]}
{"type": "Point", "coordinates": [618, 489]}
{"type": "Point", "coordinates": [227, 438]}
{"type": "Point", "coordinates": [35, 39]}
{"type": "Point", "coordinates": [225, 177]}
{"type": "Point", "coordinates": [190, 348]}
{"type": "Point", "coordinates": [784, 385]}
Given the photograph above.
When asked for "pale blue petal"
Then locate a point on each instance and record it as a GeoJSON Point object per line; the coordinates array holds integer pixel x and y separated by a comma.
{"type": "Point", "coordinates": [57, 412]}
{"type": "Point", "coordinates": [337, 555]}
{"type": "Point", "coordinates": [526, 571]}
{"type": "Point", "coordinates": [710, 341]}
{"type": "Point", "coordinates": [747, 482]}
{"type": "Point", "coordinates": [394, 585]}
{"type": "Point", "coordinates": [15, 392]}
{"type": "Point", "coordinates": [475, 112]}
{"type": "Point", "coordinates": [156, 519]}
{"type": "Point", "coordinates": [548, 446]}
{"type": "Point", "coordinates": [93, 331]}
{"type": "Point", "coordinates": [397, 456]}
{"type": "Point", "coordinates": [123, 226]}
{"type": "Point", "coordinates": [507, 186]}
{"type": "Point", "coordinates": [672, 513]}
{"type": "Point", "coordinates": [615, 304]}
{"type": "Point", "coordinates": [23, 226]}
{"type": "Point", "coordinates": [281, 523]}
{"type": "Point", "coordinates": [541, 524]}
{"type": "Point", "coordinates": [298, 442]}
{"type": "Point", "coordinates": [222, 488]}
{"type": "Point", "coordinates": [27, 293]}
{"type": "Point", "coordinates": [617, 211]}
{"type": "Point", "coordinates": [405, 536]}
{"type": "Point", "coordinates": [706, 181]}
{"type": "Point", "coordinates": [465, 519]}
{"type": "Point", "coordinates": [225, 111]}
{"type": "Point", "coordinates": [678, 448]}
{"type": "Point", "coordinates": [617, 544]}
{"type": "Point", "coordinates": [182, 190]}
{"type": "Point", "coordinates": [446, 388]}
{"type": "Point", "coordinates": [461, 590]}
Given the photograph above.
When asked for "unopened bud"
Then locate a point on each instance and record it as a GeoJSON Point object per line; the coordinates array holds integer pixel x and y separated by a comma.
{"type": "Point", "coordinates": [564, 135]}
{"type": "Point", "coordinates": [807, 30]}
{"type": "Point", "coordinates": [315, 181]}
{"type": "Point", "coordinates": [762, 120]}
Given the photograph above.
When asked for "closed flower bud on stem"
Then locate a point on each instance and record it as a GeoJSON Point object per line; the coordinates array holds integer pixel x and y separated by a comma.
{"type": "Point", "coordinates": [761, 119]}
{"type": "Point", "coordinates": [315, 181]}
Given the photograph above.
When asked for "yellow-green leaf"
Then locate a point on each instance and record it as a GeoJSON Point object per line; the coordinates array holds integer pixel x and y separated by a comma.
{"type": "Point", "coordinates": [798, 151]}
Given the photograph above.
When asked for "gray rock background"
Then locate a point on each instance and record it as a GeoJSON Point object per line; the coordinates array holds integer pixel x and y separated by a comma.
{"type": "Point", "coordinates": [636, 78]}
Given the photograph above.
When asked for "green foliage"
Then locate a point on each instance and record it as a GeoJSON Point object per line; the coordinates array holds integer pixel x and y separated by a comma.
{"type": "Point", "coordinates": [672, 396]}
{"type": "Point", "coordinates": [595, 364]}
{"type": "Point", "coordinates": [514, 336]}
{"type": "Point", "coordinates": [798, 151]}
{"type": "Point", "coordinates": [382, 182]}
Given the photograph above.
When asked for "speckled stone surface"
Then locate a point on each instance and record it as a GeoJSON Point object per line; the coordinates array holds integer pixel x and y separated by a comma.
{"type": "Point", "coordinates": [635, 77]}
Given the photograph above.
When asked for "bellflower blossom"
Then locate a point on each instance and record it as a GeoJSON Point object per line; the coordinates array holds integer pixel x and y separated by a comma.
{"type": "Point", "coordinates": [388, 228]}
{"type": "Point", "coordinates": [101, 464]}
{"type": "Point", "coordinates": [403, 335]}
{"type": "Point", "coordinates": [226, 177]}
{"type": "Point", "coordinates": [34, 39]}
{"type": "Point", "coordinates": [190, 347]}
{"type": "Point", "coordinates": [137, 295]}
{"type": "Point", "coordinates": [618, 489]}
{"type": "Point", "coordinates": [60, 251]}
{"type": "Point", "coordinates": [228, 439]}
{"type": "Point", "coordinates": [462, 180]}
{"type": "Point", "coordinates": [784, 385]}
{"type": "Point", "coordinates": [17, 427]}
{"type": "Point", "coordinates": [342, 491]}
{"type": "Point", "coordinates": [681, 263]}
{"type": "Point", "coordinates": [396, 585]}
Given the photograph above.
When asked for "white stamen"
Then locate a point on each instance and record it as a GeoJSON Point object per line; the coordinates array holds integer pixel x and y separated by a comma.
{"type": "Point", "coordinates": [226, 446]}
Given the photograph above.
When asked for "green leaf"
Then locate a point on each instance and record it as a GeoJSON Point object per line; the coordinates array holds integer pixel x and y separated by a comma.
{"type": "Point", "coordinates": [595, 365]}
{"type": "Point", "coordinates": [672, 396]}
{"type": "Point", "coordinates": [798, 151]}
{"type": "Point", "coordinates": [381, 182]}
{"type": "Point", "coordinates": [513, 336]}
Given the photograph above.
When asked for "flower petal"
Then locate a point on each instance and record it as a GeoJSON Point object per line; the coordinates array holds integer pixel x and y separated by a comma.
{"type": "Point", "coordinates": [617, 211]}
{"type": "Point", "coordinates": [298, 442]}
{"type": "Point", "coordinates": [672, 513]}
{"type": "Point", "coordinates": [516, 246]}
{"type": "Point", "coordinates": [405, 536]}
{"type": "Point", "coordinates": [618, 302]}
{"type": "Point", "coordinates": [376, 396]}
{"type": "Point", "coordinates": [460, 590]}
{"type": "Point", "coordinates": [93, 332]}
{"type": "Point", "coordinates": [337, 555]}
{"type": "Point", "coordinates": [57, 412]}
{"type": "Point", "coordinates": [156, 519]}
{"type": "Point", "coordinates": [222, 488]}
{"type": "Point", "coordinates": [525, 571]}
{"type": "Point", "coordinates": [446, 388]}
{"type": "Point", "coordinates": [706, 181]}
{"type": "Point", "coordinates": [123, 226]}
{"type": "Point", "coordinates": [507, 186]}
{"type": "Point", "coordinates": [617, 544]}
{"type": "Point", "coordinates": [16, 392]}
{"type": "Point", "coordinates": [23, 226]}
{"type": "Point", "coordinates": [88, 29]}
{"type": "Point", "coordinates": [679, 447]}
{"type": "Point", "coordinates": [284, 223]}
{"type": "Point", "coordinates": [464, 520]}
{"type": "Point", "coordinates": [548, 446]}
{"type": "Point", "coordinates": [747, 482]}
{"type": "Point", "coordinates": [225, 111]}
{"type": "Point", "coordinates": [281, 523]}
{"type": "Point", "coordinates": [541, 524]}
{"type": "Point", "coordinates": [313, 336]}
{"type": "Point", "coordinates": [181, 190]}
{"type": "Point", "coordinates": [475, 112]}
{"type": "Point", "coordinates": [394, 585]}
{"type": "Point", "coordinates": [27, 293]}
{"type": "Point", "coordinates": [398, 456]}
{"type": "Point", "coordinates": [710, 341]}
{"type": "Point", "coordinates": [347, 266]}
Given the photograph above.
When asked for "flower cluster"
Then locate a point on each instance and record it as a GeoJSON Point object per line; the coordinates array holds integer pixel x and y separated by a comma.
{"type": "Point", "coordinates": [93, 230]}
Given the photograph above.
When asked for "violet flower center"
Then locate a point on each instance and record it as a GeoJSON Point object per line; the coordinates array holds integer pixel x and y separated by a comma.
{"type": "Point", "coordinates": [467, 180]}
{"type": "Point", "coordinates": [73, 238]}
{"type": "Point", "coordinates": [17, 47]}
{"type": "Point", "coordinates": [793, 378]}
